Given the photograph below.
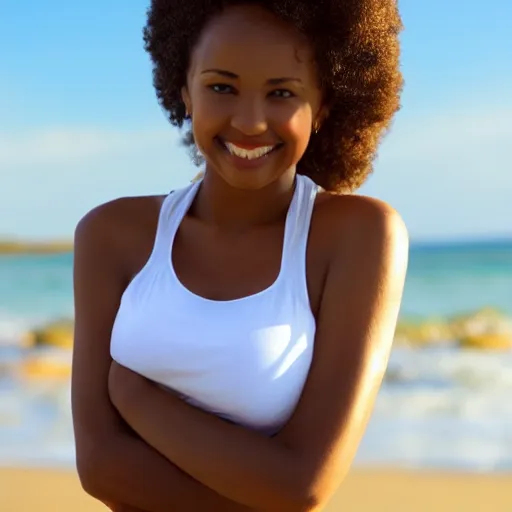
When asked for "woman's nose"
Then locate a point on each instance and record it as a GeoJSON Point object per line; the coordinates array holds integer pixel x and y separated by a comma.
{"type": "Point", "coordinates": [249, 118]}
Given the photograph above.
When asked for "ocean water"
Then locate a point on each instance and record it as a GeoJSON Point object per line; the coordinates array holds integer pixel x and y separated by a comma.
{"type": "Point", "coordinates": [439, 407]}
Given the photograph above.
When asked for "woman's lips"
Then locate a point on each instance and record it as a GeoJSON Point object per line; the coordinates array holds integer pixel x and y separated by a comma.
{"type": "Point", "coordinates": [248, 146]}
{"type": "Point", "coordinates": [243, 161]}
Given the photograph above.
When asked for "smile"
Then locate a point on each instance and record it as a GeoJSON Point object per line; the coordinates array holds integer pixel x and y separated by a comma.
{"type": "Point", "coordinates": [249, 154]}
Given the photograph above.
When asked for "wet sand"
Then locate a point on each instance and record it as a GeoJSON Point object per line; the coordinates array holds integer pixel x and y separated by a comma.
{"type": "Point", "coordinates": [24, 490]}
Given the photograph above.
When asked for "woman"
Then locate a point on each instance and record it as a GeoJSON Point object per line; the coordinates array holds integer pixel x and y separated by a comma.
{"type": "Point", "coordinates": [231, 336]}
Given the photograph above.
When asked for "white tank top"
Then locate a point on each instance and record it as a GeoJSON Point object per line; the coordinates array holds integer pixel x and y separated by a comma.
{"type": "Point", "coordinates": [245, 360]}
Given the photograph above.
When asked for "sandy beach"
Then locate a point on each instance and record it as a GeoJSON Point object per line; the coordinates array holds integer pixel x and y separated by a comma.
{"type": "Point", "coordinates": [24, 490]}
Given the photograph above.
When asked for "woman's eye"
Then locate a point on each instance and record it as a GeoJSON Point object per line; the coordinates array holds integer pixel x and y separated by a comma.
{"type": "Point", "coordinates": [221, 88]}
{"type": "Point", "coordinates": [282, 93]}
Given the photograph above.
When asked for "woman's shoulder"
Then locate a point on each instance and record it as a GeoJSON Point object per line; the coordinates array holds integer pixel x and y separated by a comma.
{"type": "Point", "coordinates": [121, 216]}
{"type": "Point", "coordinates": [122, 229]}
{"type": "Point", "coordinates": [359, 223]}
{"type": "Point", "coordinates": [346, 214]}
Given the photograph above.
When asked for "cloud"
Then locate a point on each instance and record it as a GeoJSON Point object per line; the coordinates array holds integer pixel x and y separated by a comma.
{"type": "Point", "coordinates": [447, 173]}
{"type": "Point", "coordinates": [437, 136]}
{"type": "Point", "coordinates": [50, 177]}
{"type": "Point", "coordinates": [66, 146]}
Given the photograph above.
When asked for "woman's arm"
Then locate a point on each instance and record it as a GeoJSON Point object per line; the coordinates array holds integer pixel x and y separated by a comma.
{"type": "Point", "coordinates": [298, 469]}
{"type": "Point", "coordinates": [114, 464]}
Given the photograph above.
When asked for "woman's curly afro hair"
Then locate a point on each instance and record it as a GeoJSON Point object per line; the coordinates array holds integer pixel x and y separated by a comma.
{"type": "Point", "coordinates": [356, 45]}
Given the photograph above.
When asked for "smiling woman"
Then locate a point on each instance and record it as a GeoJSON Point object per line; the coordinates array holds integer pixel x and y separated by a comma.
{"type": "Point", "coordinates": [244, 380]}
{"type": "Point", "coordinates": [346, 51]}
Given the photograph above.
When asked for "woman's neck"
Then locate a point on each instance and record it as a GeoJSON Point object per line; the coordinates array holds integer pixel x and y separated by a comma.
{"type": "Point", "coordinates": [229, 209]}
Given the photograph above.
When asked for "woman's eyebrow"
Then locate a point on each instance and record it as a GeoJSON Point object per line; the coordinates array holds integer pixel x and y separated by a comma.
{"type": "Point", "coordinates": [270, 81]}
{"type": "Point", "coordinates": [222, 72]}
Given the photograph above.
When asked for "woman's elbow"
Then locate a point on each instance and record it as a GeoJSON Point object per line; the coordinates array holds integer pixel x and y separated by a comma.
{"type": "Point", "coordinates": [313, 498]}
{"type": "Point", "coordinates": [297, 498]}
{"type": "Point", "coordinates": [298, 503]}
{"type": "Point", "coordinates": [308, 494]}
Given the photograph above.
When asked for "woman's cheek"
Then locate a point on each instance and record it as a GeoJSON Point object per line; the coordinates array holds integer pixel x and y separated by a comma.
{"type": "Point", "coordinates": [298, 128]}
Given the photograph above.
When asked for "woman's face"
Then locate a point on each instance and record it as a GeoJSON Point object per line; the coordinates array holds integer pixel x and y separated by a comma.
{"type": "Point", "coordinates": [253, 95]}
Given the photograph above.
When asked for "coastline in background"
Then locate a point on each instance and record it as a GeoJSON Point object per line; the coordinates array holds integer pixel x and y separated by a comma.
{"type": "Point", "coordinates": [20, 247]}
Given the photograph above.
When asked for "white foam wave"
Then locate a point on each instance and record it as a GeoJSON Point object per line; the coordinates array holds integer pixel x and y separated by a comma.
{"type": "Point", "coordinates": [443, 408]}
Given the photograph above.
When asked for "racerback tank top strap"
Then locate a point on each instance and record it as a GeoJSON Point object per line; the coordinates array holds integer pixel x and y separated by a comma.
{"type": "Point", "coordinates": [174, 207]}
{"type": "Point", "coordinates": [298, 220]}
{"type": "Point", "coordinates": [297, 229]}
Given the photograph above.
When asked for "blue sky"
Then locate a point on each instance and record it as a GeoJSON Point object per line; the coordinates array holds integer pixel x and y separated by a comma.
{"type": "Point", "coordinates": [79, 122]}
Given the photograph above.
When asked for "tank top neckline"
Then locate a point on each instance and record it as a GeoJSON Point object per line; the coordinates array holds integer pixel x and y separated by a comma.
{"type": "Point", "coordinates": [175, 223]}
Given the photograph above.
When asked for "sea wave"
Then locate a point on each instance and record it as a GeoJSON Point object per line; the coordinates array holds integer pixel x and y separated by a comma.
{"type": "Point", "coordinates": [438, 382]}
{"type": "Point", "coordinates": [443, 408]}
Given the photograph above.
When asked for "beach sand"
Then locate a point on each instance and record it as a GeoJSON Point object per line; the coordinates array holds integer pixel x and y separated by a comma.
{"type": "Point", "coordinates": [23, 490]}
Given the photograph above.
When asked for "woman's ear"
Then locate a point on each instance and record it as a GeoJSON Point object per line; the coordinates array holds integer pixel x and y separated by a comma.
{"type": "Point", "coordinates": [321, 117]}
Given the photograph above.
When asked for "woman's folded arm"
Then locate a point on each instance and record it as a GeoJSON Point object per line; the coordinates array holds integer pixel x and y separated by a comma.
{"type": "Point", "coordinates": [114, 464]}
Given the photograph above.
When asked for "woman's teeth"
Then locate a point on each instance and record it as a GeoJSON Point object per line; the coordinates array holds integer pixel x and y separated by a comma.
{"type": "Point", "coordinates": [250, 154]}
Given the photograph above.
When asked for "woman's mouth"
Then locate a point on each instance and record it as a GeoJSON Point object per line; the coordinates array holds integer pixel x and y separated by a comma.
{"type": "Point", "coordinates": [252, 154]}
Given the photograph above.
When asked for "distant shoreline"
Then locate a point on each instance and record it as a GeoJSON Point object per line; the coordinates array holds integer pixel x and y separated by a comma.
{"type": "Point", "coordinates": [19, 248]}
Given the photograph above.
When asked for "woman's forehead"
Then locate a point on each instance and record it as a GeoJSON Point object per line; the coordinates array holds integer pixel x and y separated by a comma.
{"type": "Point", "coordinates": [252, 37]}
